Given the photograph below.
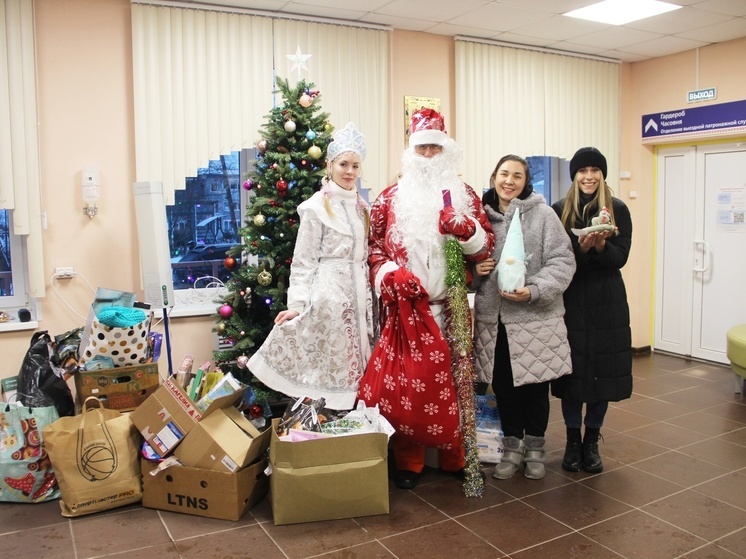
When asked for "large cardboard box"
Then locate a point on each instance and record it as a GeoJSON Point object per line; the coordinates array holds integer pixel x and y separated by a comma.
{"type": "Point", "coordinates": [165, 418]}
{"type": "Point", "coordinates": [328, 479]}
{"type": "Point", "coordinates": [120, 388]}
{"type": "Point", "coordinates": [198, 492]}
{"type": "Point", "coordinates": [225, 441]}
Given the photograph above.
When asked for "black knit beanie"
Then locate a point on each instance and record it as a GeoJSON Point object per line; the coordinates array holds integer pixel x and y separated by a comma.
{"type": "Point", "coordinates": [587, 157]}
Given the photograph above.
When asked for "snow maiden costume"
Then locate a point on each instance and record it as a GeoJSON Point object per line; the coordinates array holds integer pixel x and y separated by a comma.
{"type": "Point", "coordinates": [324, 350]}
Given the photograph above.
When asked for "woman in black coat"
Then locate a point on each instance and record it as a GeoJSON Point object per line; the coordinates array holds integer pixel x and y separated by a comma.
{"type": "Point", "coordinates": [596, 309]}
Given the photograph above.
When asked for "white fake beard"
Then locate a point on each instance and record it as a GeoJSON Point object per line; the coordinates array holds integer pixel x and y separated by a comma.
{"type": "Point", "coordinates": [419, 197]}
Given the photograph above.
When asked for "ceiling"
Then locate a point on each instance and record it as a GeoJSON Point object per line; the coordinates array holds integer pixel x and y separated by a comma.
{"type": "Point", "coordinates": [536, 23]}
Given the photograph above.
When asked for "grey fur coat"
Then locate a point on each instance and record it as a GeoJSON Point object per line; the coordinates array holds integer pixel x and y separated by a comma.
{"type": "Point", "coordinates": [537, 336]}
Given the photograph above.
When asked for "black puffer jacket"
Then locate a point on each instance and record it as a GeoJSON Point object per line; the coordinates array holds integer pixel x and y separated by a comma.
{"type": "Point", "coordinates": [597, 318]}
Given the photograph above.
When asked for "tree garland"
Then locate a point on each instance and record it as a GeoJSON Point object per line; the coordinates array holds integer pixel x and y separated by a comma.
{"type": "Point", "coordinates": [458, 334]}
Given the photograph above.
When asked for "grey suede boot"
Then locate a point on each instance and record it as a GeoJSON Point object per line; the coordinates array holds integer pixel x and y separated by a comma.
{"type": "Point", "coordinates": [572, 461]}
{"type": "Point", "coordinates": [591, 459]}
{"type": "Point", "coordinates": [511, 460]}
{"type": "Point", "coordinates": [534, 457]}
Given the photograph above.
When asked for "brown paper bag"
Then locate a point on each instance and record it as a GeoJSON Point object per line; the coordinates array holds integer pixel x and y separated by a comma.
{"type": "Point", "coordinates": [95, 458]}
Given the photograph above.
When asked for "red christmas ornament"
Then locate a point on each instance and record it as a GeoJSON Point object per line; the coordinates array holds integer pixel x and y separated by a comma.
{"type": "Point", "coordinates": [256, 411]}
{"type": "Point", "coordinates": [282, 185]}
{"type": "Point", "coordinates": [289, 261]}
{"type": "Point", "coordinates": [229, 263]}
{"type": "Point", "coordinates": [226, 311]}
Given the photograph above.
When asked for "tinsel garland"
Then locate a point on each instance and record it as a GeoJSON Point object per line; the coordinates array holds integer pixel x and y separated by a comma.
{"type": "Point", "coordinates": [458, 335]}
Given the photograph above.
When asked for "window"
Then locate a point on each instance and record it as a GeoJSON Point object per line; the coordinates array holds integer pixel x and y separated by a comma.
{"type": "Point", "coordinates": [549, 176]}
{"type": "Point", "coordinates": [203, 224]}
{"type": "Point", "coordinates": [12, 265]}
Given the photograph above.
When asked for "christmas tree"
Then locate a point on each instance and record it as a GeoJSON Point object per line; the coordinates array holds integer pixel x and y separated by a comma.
{"type": "Point", "coordinates": [291, 161]}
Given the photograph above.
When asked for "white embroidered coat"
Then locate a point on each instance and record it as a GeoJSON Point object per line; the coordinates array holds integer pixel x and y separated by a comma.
{"type": "Point", "coordinates": [323, 351]}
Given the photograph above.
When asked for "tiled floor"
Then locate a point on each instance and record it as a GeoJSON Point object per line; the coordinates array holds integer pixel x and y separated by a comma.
{"type": "Point", "coordinates": [674, 486]}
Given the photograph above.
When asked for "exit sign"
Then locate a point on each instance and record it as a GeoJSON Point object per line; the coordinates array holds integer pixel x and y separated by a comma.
{"type": "Point", "coordinates": [701, 95]}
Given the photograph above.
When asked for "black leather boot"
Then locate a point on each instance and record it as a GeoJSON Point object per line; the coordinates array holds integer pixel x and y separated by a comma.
{"type": "Point", "coordinates": [591, 459]}
{"type": "Point", "coordinates": [573, 459]}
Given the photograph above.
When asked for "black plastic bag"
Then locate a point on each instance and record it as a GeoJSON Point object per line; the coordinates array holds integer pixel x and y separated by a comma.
{"type": "Point", "coordinates": [38, 383]}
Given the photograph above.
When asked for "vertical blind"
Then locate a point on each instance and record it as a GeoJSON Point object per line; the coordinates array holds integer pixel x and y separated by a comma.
{"type": "Point", "coordinates": [203, 83]}
{"type": "Point", "coordinates": [19, 143]}
{"type": "Point", "coordinates": [532, 103]}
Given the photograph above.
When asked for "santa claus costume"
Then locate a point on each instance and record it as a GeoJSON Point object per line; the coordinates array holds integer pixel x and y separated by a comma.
{"type": "Point", "coordinates": [410, 224]}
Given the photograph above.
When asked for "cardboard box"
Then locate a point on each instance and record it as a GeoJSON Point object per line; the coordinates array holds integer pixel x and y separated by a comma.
{"type": "Point", "coordinates": [225, 441]}
{"type": "Point", "coordinates": [165, 418]}
{"type": "Point", "coordinates": [328, 479]}
{"type": "Point", "coordinates": [226, 496]}
{"type": "Point", "coordinates": [120, 388]}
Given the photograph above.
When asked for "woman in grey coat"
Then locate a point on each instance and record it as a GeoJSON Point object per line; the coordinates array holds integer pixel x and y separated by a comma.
{"type": "Point", "coordinates": [520, 335]}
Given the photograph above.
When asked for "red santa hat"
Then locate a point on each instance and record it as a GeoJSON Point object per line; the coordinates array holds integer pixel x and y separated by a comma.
{"type": "Point", "coordinates": [426, 126]}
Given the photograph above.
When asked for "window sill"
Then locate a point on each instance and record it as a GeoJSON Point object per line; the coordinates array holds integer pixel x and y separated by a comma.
{"type": "Point", "coordinates": [15, 325]}
{"type": "Point", "coordinates": [196, 302]}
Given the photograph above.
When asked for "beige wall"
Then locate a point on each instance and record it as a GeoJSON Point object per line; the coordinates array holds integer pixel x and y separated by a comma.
{"type": "Point", "coordinates": [423, 65]}
{"type": "Point", "coordinates": [85, 117]}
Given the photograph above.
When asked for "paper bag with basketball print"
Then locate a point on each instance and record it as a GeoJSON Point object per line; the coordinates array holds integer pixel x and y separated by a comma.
{"type": "Point", "coordinates": [95, 458]}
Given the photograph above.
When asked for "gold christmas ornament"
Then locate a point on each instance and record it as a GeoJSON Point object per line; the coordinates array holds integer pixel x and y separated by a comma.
{"type": "Point", "coordinates": [259, 220]}
{"type": "Point", "coordinates": [264, 278]}
{"type": "Point", "coordinates": [314, 152]}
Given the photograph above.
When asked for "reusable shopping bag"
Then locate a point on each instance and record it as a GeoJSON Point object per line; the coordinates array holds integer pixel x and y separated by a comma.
{"type": "Point", "coordinates": [26, 473]}
{"type": "Point", "coordinates": [95, 457]}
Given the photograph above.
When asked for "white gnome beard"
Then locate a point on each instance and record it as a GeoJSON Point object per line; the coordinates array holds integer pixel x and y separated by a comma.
{"type": "Point", "coordinates": [511, 274]}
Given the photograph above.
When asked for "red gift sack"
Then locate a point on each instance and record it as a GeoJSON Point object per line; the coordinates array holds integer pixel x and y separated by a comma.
{"type": "Point", "coordinates": [409, 372]}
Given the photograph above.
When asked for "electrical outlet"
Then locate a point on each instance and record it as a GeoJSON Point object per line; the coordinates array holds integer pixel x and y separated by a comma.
{"type": "Point", "coordinates": [64, 272]}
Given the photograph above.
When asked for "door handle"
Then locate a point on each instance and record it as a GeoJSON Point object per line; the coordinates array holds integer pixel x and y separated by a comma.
{"type": "Point", "coordinates": [705, 256]}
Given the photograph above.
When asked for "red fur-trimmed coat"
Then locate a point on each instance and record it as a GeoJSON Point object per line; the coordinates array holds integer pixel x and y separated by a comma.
{"type": "Point", "coordinates": [387, 252]}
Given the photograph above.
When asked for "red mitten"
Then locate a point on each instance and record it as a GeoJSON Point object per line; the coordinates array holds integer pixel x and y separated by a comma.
{"type": "Point", "coordinates": [457, 224]}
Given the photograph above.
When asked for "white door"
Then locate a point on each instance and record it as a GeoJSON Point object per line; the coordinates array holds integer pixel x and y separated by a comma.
{"type": "Point", "coordinates": [701, 248]}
